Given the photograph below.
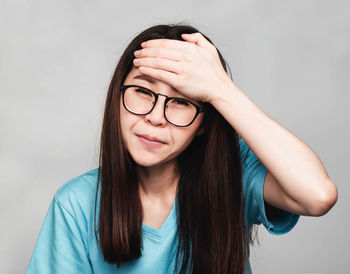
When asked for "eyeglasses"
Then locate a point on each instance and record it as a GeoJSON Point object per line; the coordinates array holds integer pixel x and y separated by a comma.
{"type": "Point", "coordinates": [177, 111]}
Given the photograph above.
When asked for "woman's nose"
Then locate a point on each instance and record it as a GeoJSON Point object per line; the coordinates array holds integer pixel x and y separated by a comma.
{"type": "Point", "coordinates": [156, 116]}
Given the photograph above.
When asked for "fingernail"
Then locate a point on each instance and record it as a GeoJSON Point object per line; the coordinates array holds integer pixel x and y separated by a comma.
{"type": "Point", "coordinates": [137, 53]}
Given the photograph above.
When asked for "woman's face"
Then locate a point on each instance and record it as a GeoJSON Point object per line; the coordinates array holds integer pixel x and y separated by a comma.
{"type": "Point", "coordinates": [176, 139]}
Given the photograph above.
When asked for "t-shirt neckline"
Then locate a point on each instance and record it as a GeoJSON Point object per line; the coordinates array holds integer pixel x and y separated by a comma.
{"type": "Point", "coordinates": [163, 232]}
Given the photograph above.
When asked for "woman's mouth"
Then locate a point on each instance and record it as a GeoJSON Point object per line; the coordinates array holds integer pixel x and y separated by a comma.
{"type": "Point", "coordinates": [149, 143]}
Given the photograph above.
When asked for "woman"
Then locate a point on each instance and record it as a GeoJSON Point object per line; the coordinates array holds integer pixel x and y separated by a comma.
{"type": "Point", "coordinates": [188, 164]}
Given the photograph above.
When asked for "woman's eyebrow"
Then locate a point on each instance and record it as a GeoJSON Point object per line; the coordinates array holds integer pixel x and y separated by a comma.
{"type": "Point", "coordinates": [150, 79]}
{"type": "Point", "coordinates": [144, 77]}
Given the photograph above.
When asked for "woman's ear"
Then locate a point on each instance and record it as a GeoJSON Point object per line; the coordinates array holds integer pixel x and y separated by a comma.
{"type": "Point", "coordinates": [201, 131]}
{"type": "Point", "coordinates": [204, 125]}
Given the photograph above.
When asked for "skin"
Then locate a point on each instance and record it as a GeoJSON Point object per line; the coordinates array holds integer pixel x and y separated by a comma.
{"type": "Point", "coordinates": [156, 166]}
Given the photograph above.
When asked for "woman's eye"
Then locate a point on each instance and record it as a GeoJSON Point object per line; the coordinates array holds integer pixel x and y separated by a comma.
{"type": "Point", "coordinates": [181, 102]}
{"type": "Point", "coordinates": [144, 92]}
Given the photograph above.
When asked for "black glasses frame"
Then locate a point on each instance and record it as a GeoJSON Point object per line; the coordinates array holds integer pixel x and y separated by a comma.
{"type": "Point", "coordinates": [156, 95]}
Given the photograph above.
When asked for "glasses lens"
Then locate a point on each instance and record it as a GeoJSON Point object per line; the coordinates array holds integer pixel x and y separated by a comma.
{"type": "Point", "coordinates": [138, 100]}
{"type": "Point", "coordinates": [180, 112]}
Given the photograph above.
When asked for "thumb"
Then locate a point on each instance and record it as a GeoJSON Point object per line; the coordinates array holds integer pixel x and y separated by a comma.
{"type": "Point", "coordinates": [196, 38]}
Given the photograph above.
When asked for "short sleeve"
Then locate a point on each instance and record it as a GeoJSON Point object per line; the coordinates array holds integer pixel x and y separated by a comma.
{"type": "Point", "coordinates": [61, 246]}
{"type": "Point", "coordinates": [255, 208]}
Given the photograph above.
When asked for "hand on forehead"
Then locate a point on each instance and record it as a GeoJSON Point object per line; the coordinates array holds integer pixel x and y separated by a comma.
{"type": "Point", "coordinates": [191, 67]}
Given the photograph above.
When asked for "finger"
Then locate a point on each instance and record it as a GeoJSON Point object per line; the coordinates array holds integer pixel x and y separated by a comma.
{"type": "Point", "coordinates": [162, 75]}
{"type": "Point", "coordinates": [170, 43]}
{"type": "Point", "coordinates": [158, 63]}
{"type": "Point", "coordinates": [197, 38]}
{"type": "Point", "coordinates": [160, 52]}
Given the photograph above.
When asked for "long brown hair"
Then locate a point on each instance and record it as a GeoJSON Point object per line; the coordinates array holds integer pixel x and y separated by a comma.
{"type": "Point", "coordinates": [211, 225]}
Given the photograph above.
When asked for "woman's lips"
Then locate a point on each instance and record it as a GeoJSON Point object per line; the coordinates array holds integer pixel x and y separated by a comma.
{"type": "Point", "coordinates": [148, 137]}
{"type": "Point", "coordinates": [149, 143]}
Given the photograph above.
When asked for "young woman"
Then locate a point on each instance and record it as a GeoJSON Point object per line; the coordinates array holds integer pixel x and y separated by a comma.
{"type": "Point", "coordinates": [188, 164]}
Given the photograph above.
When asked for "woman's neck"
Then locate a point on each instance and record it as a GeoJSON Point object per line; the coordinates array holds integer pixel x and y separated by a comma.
{"type": "Point", "coordinates": [158, 182]}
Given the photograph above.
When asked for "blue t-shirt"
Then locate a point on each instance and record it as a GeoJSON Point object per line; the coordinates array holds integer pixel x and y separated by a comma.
{"type": "Point", "coordinates": [67, 242]}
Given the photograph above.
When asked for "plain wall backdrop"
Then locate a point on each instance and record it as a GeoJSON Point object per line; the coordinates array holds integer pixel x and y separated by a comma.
{"type": "Point", "coordinates": [292, 58]}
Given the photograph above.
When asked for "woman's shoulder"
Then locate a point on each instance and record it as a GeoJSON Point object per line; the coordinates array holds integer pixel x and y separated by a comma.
{"type": "Point", "coordinates": [78, 192]}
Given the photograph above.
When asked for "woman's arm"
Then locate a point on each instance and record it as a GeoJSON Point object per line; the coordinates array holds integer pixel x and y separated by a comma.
{"type": "Point", "coordinates": [297, 181]}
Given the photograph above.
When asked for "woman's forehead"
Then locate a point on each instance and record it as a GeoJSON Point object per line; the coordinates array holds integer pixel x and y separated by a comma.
{"type": "Point", "coordinates": [136, 76]}
{"type": "Point", "coordinates": [151, 83]}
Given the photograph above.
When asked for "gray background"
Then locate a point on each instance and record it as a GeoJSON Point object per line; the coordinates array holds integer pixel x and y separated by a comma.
{"type": "Point", "coordinates": [292, 58]}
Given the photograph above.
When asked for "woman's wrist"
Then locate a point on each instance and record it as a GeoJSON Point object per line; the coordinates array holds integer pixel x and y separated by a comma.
{"type": "Point", "coordinates": [225, 91]}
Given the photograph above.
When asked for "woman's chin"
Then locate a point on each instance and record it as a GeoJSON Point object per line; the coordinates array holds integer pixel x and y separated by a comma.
{"type": "Point", "coordinates": [146, 161]}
